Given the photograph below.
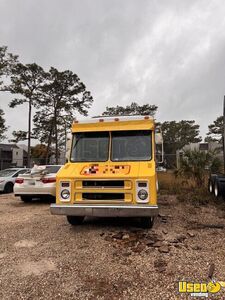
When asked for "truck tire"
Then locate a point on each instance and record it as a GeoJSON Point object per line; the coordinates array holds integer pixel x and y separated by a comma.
{"type": "Point", "coordinates": [75, 220]}
{"type": "Point", "coordinates": [26, 199]}
{"type": "Point", "coordinates": [8, 188]}
{"type": "Point", "coordinates": [210, 186]}
{"type": "Point", "coordinates": [147, 222]}
{"type": "Point", "coordinates": [217, 189]}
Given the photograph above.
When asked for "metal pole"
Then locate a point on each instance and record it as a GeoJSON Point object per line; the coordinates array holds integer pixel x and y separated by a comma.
{"type": "Point", "coordinates": [65, 141]}
{"type": "Point", "coordinates": [224, 133]}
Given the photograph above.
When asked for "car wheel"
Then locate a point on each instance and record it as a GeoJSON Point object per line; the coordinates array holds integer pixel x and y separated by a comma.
{"type": "Point", "coordinates": [8, 188]}
{"type": "Point", "coordinates": [75, 220]}
{"type": "Point", "coordinates": [147, 222]}
{"type": "Point", "coordinates": [26, 198]}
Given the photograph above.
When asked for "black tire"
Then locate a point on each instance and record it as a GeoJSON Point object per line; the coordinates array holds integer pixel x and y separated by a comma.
{"type": "Point", "coordinates": [217, 190]}
{"type": "Point", "coordinates": [75, 220]}
{"type": "Point", "coordinates": [147, 222]}
{"type": "Point", "coordinates": [210, 186]}
{"type": "Point", "coordinates": [8, 188]}
{"type": "Point", "coordinates": [26, 199]}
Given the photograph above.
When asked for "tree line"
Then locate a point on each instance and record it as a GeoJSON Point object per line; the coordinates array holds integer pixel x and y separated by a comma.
{"type": "Point", "coordinates": [55, 95]}
{"type": "Point", "coordinates": [54, 98]}
{"type": "Point", "coordinates": [176, 134]}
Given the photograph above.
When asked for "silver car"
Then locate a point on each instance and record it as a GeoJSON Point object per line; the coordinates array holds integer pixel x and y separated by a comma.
{"type": "Point", "coordinates": [8, 178]}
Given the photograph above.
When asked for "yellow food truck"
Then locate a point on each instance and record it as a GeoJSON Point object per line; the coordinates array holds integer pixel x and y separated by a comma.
{"type": "Point", "coordinates": [111, 171]}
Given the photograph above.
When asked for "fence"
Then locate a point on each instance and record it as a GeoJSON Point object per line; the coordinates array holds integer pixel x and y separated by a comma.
{"type": "Point", "coordinates": [22, 163]}
{"type": "Point", "coordinates": [170, 161]}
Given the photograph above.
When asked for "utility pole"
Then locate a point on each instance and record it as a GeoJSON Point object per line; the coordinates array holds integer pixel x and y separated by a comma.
{"type": "Point", "coordinates": [224, 134]}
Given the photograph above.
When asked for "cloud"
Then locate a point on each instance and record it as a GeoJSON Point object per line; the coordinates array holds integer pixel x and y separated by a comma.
{"type": "Point", "coordinates": [168, 53]}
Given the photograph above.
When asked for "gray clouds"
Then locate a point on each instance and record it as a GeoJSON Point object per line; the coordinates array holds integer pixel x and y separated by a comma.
{"type": "Point", "coordinates": [168, 53]}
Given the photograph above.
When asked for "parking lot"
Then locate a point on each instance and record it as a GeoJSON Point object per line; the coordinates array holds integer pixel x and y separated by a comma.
{"type": "Point", "coordinates": [43, 257]}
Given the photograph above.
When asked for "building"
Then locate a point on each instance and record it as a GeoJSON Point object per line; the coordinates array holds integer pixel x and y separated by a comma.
{"type": "Point", "coordinates": [204, 147]}
{"type": "Point", "coordinates": [12, 155]}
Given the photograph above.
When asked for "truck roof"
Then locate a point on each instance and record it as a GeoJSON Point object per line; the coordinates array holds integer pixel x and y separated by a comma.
{"type": "Point", "coordinates": [114, 123]}
{"type": "Point", "coordinates": [114, 118]}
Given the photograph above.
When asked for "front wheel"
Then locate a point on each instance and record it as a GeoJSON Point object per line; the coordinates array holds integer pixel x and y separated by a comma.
{"type": "Point", "coordinates": [75, 220]}
{"type": "Point", "coordinates": [147, 222]}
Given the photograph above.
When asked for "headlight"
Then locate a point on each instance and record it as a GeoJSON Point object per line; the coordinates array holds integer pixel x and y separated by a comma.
{"type": "Point", "coordinates": [142, 194]}
{"type": "Point", "coordinates": [65, 194]}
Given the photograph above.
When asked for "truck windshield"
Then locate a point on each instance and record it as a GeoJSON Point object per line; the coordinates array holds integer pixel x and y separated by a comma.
{"type": "Point", "coordinates": [90, 146]}
{"type": "Point", "coordinates": [132, 145]}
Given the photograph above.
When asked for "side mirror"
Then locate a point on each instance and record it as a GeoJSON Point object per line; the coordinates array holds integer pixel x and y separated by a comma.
{"type": "Point", "coordinates": [159, 145]}
{"type": "Point", "coordinates": [68, 146]}
{"type": "Point", "coordinates": [158, 136]}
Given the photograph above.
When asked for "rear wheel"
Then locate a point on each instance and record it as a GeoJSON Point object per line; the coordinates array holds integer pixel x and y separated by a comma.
{"type": "Point", "coordinates": [217, 189]}
{"type": "Point", "coordinates": [210, 186]}
{"type": "Point", "coordinates": [75, 220]}
{"type": "Point", "coordinates": [26, 198]}
{"type": "Point", "coordinates": [8, 188]}
{"type": "Point", "coordinates": [147, 222]}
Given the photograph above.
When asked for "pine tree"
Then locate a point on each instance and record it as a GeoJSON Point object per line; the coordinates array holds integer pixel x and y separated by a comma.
{"type": "Point", "coordinates": [3, 128]}
{"type": "Point", "coordinates": [7, 62]}
{"type": "Point", "coordinates": [61, 98]}
{"type": "Point", "coordinates": [215, 133]}
{"type": "Point", "coordinates": [132, 109]}
{"type": "Point", "coordinates": [26, 81]}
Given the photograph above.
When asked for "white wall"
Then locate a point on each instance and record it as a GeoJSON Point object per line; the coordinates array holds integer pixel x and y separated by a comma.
{"type": "Point", "coordinates": [17, 157]}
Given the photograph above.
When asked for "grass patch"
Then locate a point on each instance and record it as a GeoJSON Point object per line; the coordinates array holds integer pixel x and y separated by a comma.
{"type": "Point", "coordinates": [170, 184]}
{"type": "Point", "coordinates": [185, 190]}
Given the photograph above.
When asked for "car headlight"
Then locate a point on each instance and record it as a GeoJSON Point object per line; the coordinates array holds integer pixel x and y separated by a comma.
{"type": "Point", "coordinates": [142, 194]}
{"type": "Point", "coordinates": [65, 194]}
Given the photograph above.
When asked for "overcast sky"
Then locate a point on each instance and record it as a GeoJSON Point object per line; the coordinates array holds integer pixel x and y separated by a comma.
{"type": "Point", "coordinates": [167, 53]}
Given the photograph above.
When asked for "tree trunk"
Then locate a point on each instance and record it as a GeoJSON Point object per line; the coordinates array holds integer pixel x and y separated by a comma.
{"type": "Point", "coordinates": [49, 144]}
{"type": "Point", "coordinates": [29, 135]}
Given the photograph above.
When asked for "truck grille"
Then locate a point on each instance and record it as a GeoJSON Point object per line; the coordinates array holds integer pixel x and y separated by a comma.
{"type": "Point", "coordinates": [103, 196]}
{"type": "Point", "coordinates": [103, 183]}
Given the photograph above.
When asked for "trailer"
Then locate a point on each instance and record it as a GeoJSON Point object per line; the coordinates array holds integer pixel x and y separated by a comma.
{"type": "Point", "coordinates": [216, 182]}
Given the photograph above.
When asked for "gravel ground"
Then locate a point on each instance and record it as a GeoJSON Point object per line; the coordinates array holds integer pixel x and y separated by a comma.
{"type": "Point", "coordinates": [43, 257]}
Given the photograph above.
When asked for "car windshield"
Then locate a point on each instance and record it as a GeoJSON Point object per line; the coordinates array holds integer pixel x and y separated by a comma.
{"type": "Point", "coordinates": [132, 145]}
{"type": "Point", "coordinates": [7, 172]}
{"type": "Point", "coordinates": [90, 146]}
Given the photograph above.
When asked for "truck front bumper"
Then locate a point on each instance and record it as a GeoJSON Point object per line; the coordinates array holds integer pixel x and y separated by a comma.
{"type": "Point", "coordinates": [99, 210]}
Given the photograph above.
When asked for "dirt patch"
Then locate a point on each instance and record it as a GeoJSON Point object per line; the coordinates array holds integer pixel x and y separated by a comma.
{"type": "Point", "coordinates": [2, 255]}
{"type": "Point", "coordinates": [46, 258]}
{"type": "Point", "coordinates": [25, 244]}
{"type": "Point", "coordinates": [36, 268]}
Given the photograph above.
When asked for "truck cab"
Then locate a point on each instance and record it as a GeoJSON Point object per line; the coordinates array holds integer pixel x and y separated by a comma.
{"type": "Point", "coordinates": [111, 171]}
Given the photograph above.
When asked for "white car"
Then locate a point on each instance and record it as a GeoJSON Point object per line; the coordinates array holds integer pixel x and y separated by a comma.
{"type": "Point", "coordinates": [8, 178]}
{"type": "Point", "coordinates": [160, 169]}
{"type": "Point", "coordinates": [39, 183]}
